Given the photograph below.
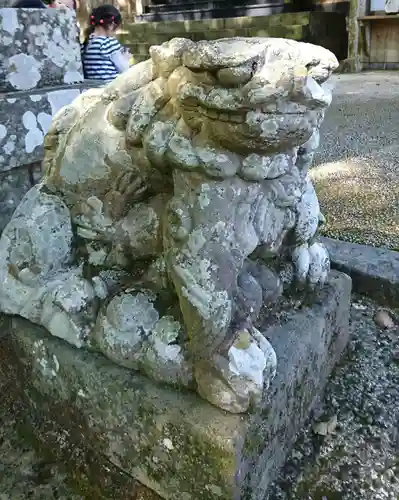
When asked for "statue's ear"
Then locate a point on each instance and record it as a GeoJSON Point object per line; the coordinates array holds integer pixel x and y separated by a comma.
{"type": "Point", "coordinates": [168, 56]}
{"type": "Point", "coordinates": [319, 62]}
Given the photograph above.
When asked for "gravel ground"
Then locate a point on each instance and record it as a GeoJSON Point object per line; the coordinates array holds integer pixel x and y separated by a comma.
{"type": "Point", "coordinates": [356, 171]}
{"type": "Point", "coordinates": [358, 458]}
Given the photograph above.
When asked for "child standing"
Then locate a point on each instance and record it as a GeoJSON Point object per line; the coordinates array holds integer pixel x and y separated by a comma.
{"type": "Point", "coordinates": [103, 56]}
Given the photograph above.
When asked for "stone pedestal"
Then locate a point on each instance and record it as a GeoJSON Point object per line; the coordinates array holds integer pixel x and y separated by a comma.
{"type": "Point", "coordinates": [123, 435]}
{"type": "Point", "coordinates": [40, 72]}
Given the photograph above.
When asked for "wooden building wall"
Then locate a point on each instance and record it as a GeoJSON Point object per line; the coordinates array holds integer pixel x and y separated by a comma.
{"type": "Point", "coordinates": [378, 36]}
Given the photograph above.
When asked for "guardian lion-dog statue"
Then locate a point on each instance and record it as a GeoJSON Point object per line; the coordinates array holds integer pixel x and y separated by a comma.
{"type": "Point", "coordinates": [174, 202]}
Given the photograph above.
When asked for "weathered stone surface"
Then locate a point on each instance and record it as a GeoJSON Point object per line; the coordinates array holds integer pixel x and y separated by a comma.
{"type": "Point", "coordinates": [25, 118]}
{"type": "Point", "coordinates": [374, 271]}
{"type": "Point", "coordinates": [13, 187]}
{"type": "Point", "coordinates": [187, 178]}
{"type": "Point", "coordinates": [308, 346]}
{"type": "Point", "coordinates": [174, 442]}
{"type": "Point", "coordinates": [38, 48]}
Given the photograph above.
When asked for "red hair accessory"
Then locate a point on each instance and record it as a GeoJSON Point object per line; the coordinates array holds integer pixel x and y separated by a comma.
{"type": "Point", "coordinates": [101, 21]}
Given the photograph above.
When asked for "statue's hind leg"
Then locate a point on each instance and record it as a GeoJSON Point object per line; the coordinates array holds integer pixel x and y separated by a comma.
{"type": "Point", "coordinates": [37, 278]}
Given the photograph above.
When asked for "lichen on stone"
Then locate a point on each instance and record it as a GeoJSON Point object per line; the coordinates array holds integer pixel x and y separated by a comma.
{"type": "Point", "coordinates": [176, 175]}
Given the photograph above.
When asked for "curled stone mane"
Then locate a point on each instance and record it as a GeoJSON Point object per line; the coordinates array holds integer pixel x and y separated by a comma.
{"type": "Point", "coordinates": [175, 204]}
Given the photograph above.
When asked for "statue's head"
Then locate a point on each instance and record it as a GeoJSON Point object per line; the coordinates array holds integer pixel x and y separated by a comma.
{"type": "Point", "coordinates": [248, 94]}
{"type": "Point", "coordinates": [219, 107]}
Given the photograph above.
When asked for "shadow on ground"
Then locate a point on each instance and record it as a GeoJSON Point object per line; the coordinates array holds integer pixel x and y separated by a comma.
{"type": "Point", "coordinates": [356, 171]}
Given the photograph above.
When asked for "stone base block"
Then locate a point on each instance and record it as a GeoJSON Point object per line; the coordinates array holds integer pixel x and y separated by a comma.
{"type": "Point", "coordinates": [123, 435]}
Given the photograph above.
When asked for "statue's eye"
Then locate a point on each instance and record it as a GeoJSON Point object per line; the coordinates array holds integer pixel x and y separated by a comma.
{"type": "Point", "coordinates": [254, 67]}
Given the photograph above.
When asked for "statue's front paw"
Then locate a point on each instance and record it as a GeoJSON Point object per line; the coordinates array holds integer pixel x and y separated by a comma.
{"type": "Point", "coordinates": [311, 264]}
{"type": "Point", "coordinates": [68, 308]}
{"type": "Point", "coordinates": [236, 382]}
{"type": "Point", "coordinates": [130, 332]}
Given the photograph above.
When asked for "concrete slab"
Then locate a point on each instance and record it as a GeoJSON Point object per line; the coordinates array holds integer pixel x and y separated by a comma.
{"type": "Point", "coordinates": [110, 423]}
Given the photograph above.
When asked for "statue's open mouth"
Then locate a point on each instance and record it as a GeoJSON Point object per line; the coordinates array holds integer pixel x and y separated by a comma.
{"type": "Point", "coordinates": [238, 116]}
{"type": "Point", "coordinates": [295, 97]}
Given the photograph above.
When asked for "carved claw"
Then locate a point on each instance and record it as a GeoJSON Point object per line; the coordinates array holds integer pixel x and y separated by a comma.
{"type": "Point", "coordinates": [311, 264]}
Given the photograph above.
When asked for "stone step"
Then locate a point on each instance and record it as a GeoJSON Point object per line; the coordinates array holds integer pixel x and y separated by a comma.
{"type": "Point", "coordinates": [144, 30]}
{"type": "Point", "coordinates": [208, 4]}
{"type": "Point", "coordinates": [325, 29]}
{"type": "Point", "coordinates": [374, 271]}
{"type": "Point", "coordinates": [183, 3]}
{"type": "Point", "coordinates": [291, 32]}
{"type": "Point", "coordinates": [211, 12]}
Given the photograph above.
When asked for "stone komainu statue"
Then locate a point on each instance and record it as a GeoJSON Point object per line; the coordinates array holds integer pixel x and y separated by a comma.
{"type": "Point", "coordinates": [174, 203]}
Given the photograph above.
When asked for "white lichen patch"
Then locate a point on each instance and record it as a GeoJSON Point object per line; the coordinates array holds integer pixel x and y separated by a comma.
{"type": "Point", "coordinates": [248, 363]}
{"type": "Point", "coordinates": [215, 490]}
{"type": "Point", "coordinates": [35, 97]}
{"type": "Point", "coordinates": [9, 21]}
{"type": "Point", "coordinates": [24, 71]}
{"type": "Point", "coordinates": [3, 131]}
{"type": "Point", "coordinates": [44, 120]}
{"type": "Point", "coordinates": [167, 443]}
{"type": "Point", "coordinates": [128, 320]}
{"type": "Point", "coordinates": [56, 363]}
{"type": "Point", "coordinates": [60, 98]}
{"type": "Point", "coordinates": [164, 336]}
{"type": "Point", "coordinates": [48, 366]}
{"type": "Point", "coordinates": [9, 147]}
{"type": "Point", "coordinates": [96, 257]}
{"type": "Point", "coordinates": [203, 197]}
{"type": "Point", "coordinates": [34, 137]}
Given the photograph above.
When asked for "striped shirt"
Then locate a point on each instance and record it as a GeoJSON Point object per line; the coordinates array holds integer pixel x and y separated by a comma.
{"type": "Point", "coordinates": [96, 58]}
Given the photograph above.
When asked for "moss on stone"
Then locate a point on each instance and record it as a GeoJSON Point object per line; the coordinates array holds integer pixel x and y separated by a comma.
{"type": "Point", "coordinates": [94, 415]}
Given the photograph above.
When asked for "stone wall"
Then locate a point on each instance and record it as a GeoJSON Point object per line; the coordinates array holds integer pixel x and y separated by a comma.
{"type": "Point", "coordinates": [40, 72]}
{"type": "Point", "coordinates": [39, 48]}
{"type": "Point", "coordinates": [25, 118]}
